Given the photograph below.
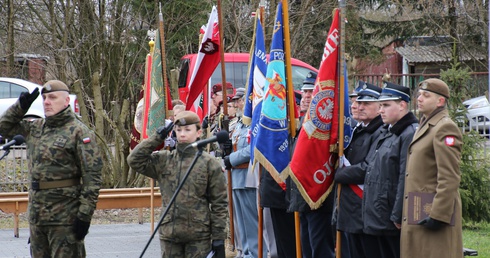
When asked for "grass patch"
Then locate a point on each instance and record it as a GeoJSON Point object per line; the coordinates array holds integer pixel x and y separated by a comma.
{"type": "Point", "coordinates": [477, 237]}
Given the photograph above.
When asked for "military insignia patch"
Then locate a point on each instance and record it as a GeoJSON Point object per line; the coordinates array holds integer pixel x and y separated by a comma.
{"type": "Point", "coordinates": [86, 140]}
{"type": "Point", "coordinates": [449, 140]}
{"type": "Point", "coordinates": [60, 142]}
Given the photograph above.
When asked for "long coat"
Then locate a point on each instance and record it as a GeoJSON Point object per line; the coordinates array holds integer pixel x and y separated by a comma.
{"type": "Point", "coordinates": [433, 167]}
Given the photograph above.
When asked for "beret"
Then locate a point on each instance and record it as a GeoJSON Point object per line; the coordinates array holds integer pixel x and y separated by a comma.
{"type": "Point", "coordinates": [54, 85]}
{"type": "Point", "coordinates": [436, 86]}
{"type": "Point", "coordinates": [219, 87]}
{"type": "Point", "coordinates": [187, 118]}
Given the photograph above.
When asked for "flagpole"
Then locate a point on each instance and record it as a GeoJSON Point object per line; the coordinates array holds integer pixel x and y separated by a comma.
{"type": "Point", "coordinates": [260, 209]}
{"type": "Point", "coordinates": [289, 73]}
{"type": "Point", "coordinates": [164, 63]}
{"type": "Point", "coordinates": [225, 119]}
{"type": "Point", "coordinates": [291, 110]}
{"type": "Point", "coordinates": [146, 113]}
{"type": "Point", "coordinates": [338, 248]}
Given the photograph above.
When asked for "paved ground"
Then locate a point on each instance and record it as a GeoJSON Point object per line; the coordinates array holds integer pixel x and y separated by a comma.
{"type": "Point", "coordinates": [103, 241]}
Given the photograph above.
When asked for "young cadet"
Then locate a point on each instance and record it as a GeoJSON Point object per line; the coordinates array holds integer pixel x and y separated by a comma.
{"type": "Point", "coordinates": [196, 222]}
{"type": "Point", "coordinates": [385, 176]}
{"type": "Point", "coordinates": [433, 168]}
{"type": "Point", "coordinates": [351, 178]}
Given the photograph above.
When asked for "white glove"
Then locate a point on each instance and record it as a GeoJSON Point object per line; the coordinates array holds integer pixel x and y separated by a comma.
{"type": "Point", "coordinates": [169, 142]}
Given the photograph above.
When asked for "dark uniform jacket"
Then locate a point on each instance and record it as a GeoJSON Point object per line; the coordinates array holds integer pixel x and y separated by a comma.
{"type": "Point", "coordinates": [433, 167]}
{"type": "Point", "coordinates": [200, 209]}
{"type": "Point", "coordinates": [385, 177]}
{"type": "Point", "coordinates": [60, 148]}
{"type": "Point", "coordinates": [349, 217]}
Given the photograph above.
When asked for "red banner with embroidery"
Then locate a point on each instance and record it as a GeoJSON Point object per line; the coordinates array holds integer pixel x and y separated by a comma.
{"type": "Point", "coordinates": [312, 164]}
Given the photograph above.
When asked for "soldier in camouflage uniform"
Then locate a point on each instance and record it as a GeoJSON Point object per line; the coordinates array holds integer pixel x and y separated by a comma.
{"type": "Point", "coordinates": [196, 222]}
{"type": "Point", "coordinates": [65, 171]}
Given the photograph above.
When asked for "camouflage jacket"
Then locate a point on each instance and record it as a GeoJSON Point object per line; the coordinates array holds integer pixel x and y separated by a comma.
{"type": "Point", "coordinates": [200, 209]}
{"type": "Point", "coordinates": [59, 147]}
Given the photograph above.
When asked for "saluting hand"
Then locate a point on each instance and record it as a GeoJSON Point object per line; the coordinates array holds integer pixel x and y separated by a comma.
{"type": "Point", "coordinates": [26, 99]}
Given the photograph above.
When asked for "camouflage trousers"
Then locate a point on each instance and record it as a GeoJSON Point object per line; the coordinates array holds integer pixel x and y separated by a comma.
{"type": "Point", "coordinates": [55, 241]}
{"type": "Point", "coordinates": [194, 249]}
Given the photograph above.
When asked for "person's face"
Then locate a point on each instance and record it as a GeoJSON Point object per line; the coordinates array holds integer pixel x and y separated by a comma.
{"type": "Point", "coordinates": [307, 96]}
{"type": "Point", "coordinates": [217, 97]}
{"type": "Point", "coordinates": [354, 108]}
{"type": "Point", "coordinates": [427, 102]}
{"type": "Point", "coordinates": [231, 109]}
{"type": "Point", "coordinates": [303, 107]}
{"type": "Point", "coordinates": [240, 103]}
{"type": "Point", "coordinates": [187, 133]}
{"type": "Point", "coordinates": [391, 111]}
{"type": "Point", "coordinates": [368, 110]}
{"type": "Point", "coordinates": [54, 102]}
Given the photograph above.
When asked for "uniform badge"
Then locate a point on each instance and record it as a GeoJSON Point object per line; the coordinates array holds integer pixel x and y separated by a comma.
{"type": "Point", "coordinates": [60, 142]}
{"type": "Point", "coordinates": [449, 140]}
{"type": "Point", "coordinates": [86, 140]}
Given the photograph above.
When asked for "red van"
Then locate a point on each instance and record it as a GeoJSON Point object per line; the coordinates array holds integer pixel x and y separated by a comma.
{"type": "Point", "coordinates": [236, 71]}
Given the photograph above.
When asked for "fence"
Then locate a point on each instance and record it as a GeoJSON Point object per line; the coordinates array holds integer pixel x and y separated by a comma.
{"type": "Point", "coordinates": [14, 171]}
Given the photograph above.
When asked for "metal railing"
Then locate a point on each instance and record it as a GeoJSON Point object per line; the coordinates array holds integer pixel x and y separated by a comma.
{"type": "Point", "coordinates": [14, 171]}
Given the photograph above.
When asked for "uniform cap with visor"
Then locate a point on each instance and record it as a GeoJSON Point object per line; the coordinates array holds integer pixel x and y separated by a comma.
{"type": "Point", "coordinates": [309, 82]}
{"type": "Point", "coordinates": [360, 86]}
{"type": "Point", "coordinates": [369, 93]}
{"type": "Point", "coordinates": [393, 91]}
{"type": "Point", "coordinates": [239, 93]}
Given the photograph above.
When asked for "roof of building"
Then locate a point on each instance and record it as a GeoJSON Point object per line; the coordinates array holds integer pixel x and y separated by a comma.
{"type": "Point", "coordinates": [434, 54]}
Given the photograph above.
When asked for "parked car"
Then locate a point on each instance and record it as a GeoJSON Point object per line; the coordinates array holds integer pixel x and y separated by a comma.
{"type": "Point", "coordinates": [478, 113]}
{"type": "Point", "coordinates": [236, 65]}
{"type": "Point", "coordinates": [10, 89]}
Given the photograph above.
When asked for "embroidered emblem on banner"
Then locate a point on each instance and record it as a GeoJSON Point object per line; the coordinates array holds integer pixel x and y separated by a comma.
{"type": "Point", "coordinates": [320, 114]}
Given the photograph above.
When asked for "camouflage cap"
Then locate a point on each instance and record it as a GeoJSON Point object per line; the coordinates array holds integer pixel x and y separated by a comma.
{"type": "Point", "coordinates": [54, 85]}
{"type": "Point", "coordinates": [436, 86]}
{"type": "Point", "coordinates": [187, 118]}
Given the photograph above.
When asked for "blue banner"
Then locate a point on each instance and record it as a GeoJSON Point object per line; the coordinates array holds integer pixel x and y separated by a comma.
{"type": "Point", "coordinates": [256, 83]}
{"type": "Point", "coordinates": [272, 146]}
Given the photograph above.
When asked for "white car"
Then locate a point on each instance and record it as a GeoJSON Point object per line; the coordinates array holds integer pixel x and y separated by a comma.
{"type": "Point", "coordinates": [478, 113]}
{"type": "Point", "coordinates": [10, 89]}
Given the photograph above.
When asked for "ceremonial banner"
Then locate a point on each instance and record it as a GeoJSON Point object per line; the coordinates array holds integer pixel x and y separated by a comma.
{"type": "Point", "coordinates": [256, 83]}
{"type": "Point", "coordinates": [155, 97]}
{"type": "Point", "coordinates": [273, 154]}
{"type": "Point", "coordinates": [312, 164]}
{"type": "Point", "coordinates": [208, 59]}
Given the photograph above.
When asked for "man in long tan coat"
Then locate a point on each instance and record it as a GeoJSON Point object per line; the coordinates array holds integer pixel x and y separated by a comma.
{"type": "Point", "coordinates": [433, 167]}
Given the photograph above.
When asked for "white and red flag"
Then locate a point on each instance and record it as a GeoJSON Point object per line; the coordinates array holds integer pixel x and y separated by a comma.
{"type": "Point", "coordinates": [208, 59]}
{"type": "Point", "coordinates": [313, 160]}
